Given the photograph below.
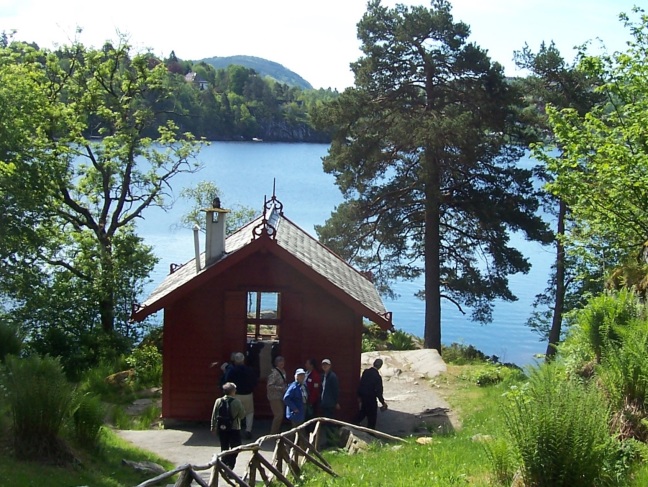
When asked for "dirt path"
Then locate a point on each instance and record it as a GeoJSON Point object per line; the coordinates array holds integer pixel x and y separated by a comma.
{"type": "Point", "coordinates": [412, 402]}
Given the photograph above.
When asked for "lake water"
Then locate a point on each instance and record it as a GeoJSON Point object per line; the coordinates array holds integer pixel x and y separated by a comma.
{"type": "Point", "coordinates": [244, 173]}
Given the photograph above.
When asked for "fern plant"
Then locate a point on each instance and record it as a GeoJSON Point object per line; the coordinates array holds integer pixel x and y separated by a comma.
{"type": "Point", "coordinates": [559, 430]}
{"type": "Point", "coordinates": [623, 372]}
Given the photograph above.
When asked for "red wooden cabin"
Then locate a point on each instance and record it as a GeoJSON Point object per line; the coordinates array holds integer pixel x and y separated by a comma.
{"type": "Point", "coordinates": [268, 288]}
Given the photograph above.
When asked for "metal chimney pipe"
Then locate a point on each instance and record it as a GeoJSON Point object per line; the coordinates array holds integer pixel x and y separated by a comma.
{"type": "Point", "coordinates": [196, 230]}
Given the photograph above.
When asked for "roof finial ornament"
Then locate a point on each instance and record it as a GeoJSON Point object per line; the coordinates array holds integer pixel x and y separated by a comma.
{"type": "Point", "coordinates": [273, 203]}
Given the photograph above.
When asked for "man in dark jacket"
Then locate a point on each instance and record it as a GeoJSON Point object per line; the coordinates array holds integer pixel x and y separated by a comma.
{"type": "Point", "coordinates": [330, 391]}
{"type": "Point", "coordinates": [370, 390]}
{"type": "Point", "coordinates": [329, 404]}
{"type": "Point", "coordinates": [245, 379]}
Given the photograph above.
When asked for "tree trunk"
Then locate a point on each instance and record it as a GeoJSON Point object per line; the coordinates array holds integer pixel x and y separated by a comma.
{"type": "Point", "coordinates": [556, 322]}
{"type": "Point", "coordinates": [432, 334]}
{"type": "Point", "coordinates": [107, 291]}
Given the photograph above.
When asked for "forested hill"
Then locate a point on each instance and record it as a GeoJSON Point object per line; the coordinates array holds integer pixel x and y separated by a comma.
{"type": "Point", "coordinates": [263, 67]}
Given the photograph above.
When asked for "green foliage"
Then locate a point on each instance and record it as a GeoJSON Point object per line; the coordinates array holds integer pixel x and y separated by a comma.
{"type": "Point", "coordinates": [262, 67]}
{"type": "Point", "coordinates": [11, 341]}
{"type": "Point", "coordinates": [76, 264]}
{"type": "Point", "coordinates": [40, 399]}
{"type": "Point", "coordinates": [461, 354]}
{"type": "Point", "coordinates": [600, 173]}
{"type": "Point", "coordinates": [599, 324]}
{"type": "Point", "coordinates": [502, 461]}
{"type": "Point", "coordinates": [146, 360]}
{"type": "Point", "coordinates": [559, 430]}
{"type": "Point", "coordinates": [623, 373]}
{"type": "Point", "coordinates": [143, 421]}
{"type": "Point", "coordinates": [201, 195]}
{"type": "Point", "coordinates": [88, 418]}
{"type": "Point", "coordinates": [101, 467]}
{"type": "Point", "coordinates": [400, 340]}
{"type": "Point", "coordinates": [373, 337]}
{"type": "Point", "coordinates": [94, 382]}
{"type": "Point", "coordinates": [487, 373]}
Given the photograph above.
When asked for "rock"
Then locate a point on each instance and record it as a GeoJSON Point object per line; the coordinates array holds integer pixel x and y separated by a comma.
{"type": "Point", "coordinates": [355, 441]}
{"type": "Point", "coordinates": [424, 440]}
{"type": "Point", "coordinates": [120, 378]}
{"type": "Point", "coordinates": [145, 467]}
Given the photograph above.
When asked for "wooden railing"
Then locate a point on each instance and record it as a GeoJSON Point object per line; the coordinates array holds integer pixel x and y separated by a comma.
{"type": "Point", "coordinates": [292, 449]}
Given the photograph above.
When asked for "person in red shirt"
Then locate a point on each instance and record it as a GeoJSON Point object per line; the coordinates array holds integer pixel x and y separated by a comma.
{"type": "Point", "coordinates": [314, 386]}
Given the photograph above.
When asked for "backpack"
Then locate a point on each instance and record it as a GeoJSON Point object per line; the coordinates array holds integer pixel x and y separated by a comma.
{"type": "Point", "coordinates": [224, 420]}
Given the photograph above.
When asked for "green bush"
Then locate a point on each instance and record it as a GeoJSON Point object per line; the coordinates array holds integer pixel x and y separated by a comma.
{"type": "Point", "coordinates": [604, 316]}
{"type": "Point", "coordinates": [40, 398]}
{"type": "Point", "coordinates": [88, 418]}
{"type": "Point", "coordinates": [623, 373]}
{"type": "Point", "coordinates": [502, 461]}
{"type": "Point", "coordinates": [399, 340]}
{"type": "Point", "coordinates": [94, 381]}
{"type": "Point", "coordinates": [11, 341]}
{"type": "Point", "coordinates": [559, 430]}
{"type": "Point", "coordinates": [486, 374]}
{"type": "Point", "coordinates": [460, 354]}
{"type": "Point", "coordinates": [147, 363]}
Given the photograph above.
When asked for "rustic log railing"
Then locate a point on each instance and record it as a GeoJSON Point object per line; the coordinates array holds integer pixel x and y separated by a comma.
{"type": "Point", "coordinates": [292, 449]}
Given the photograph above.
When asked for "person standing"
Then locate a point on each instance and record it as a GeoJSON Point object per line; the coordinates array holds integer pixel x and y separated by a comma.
{"type": "Point", "coordinates": [275, 390]}
{"type": "Point", "coordinates": [229, 436]}
{"type": "Point", "coordinates": [295, 399]}
{"type": "Point", "coordinates": [245, 379]}
{"type": "Point", "coordinates": [330, 391]}
{"type": "Point", "coordinates": [370, 389]}
{"type": "Point", "coordinates": [313, 382]}
{"type": "Point", "coordinates": [329, 401]}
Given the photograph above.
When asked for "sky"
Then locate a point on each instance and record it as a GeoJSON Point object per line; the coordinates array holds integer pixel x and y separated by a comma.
{"type": "Point", "coordinates": [317, 39]}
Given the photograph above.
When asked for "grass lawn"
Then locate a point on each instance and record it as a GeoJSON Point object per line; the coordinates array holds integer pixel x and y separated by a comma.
{"type": "Point", "coordinates": [102, 468]}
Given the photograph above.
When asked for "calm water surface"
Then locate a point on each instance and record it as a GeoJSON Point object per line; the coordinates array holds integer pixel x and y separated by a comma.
{"type": "Point", "coordinates": [244, 172]}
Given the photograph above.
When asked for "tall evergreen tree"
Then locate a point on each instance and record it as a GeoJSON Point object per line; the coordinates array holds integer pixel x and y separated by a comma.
{"type": "Point", "coordinates": [423, 155]}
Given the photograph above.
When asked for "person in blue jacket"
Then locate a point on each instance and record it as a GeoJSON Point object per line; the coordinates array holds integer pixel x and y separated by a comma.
{"type": "Point", "coordinates": [295, 399]}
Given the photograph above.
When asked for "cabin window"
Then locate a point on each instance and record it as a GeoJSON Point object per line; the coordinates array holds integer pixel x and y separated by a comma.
{"type": "Point", "coordinates": [263, 318]}
{"type": "Point", "coordinates": [263, 315]}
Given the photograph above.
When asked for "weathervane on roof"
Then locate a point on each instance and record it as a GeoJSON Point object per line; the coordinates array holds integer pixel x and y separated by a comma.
{"type": "Point", "coordinates": [269, 207]}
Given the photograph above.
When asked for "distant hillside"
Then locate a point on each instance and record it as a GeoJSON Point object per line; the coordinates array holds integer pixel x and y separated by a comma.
{"type": "Point", "coordinates": [263, 67]}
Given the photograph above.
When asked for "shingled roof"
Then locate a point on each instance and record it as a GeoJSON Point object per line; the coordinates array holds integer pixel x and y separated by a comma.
{"type": "Point", "coordinates": [305, 252]}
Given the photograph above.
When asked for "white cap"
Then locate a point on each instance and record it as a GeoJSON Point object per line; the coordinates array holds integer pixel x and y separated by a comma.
{"type": "Point", "coordinates": [300, 371]}
{"type": "Point", "coordinates": [326, 361]}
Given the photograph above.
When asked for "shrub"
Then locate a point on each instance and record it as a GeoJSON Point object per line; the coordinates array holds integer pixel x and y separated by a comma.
{"type": "Point", "coordinates": [502, 460]}
{"type": "Point", "coordinates": [604, 316]}
{"type": "Point", "coordinates": [147, 362]}
{"type": "Point", "coordinates": [88, 418]}
{"type": "Point", "coordinates": [559, 430]}
{"type": "Point", "coordinates": [39, 398]}
{"type": "Point", "coordinates": [11, 340]}
{"type": "Point", "coordinates": [460, 354]}
{"type": "Point", "coordinates": [95, 381]}
{"type": "Point", "coordinates": [399, 340]}
{"type": "Point", "coordinates": [623, 372]}
{"type": "Point", "coordinates": [489, 374]}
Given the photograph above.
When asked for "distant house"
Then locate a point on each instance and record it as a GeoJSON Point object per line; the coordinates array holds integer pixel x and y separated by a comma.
{"type": "Point", "coordinates": [196, 79]}
{"type": "Point", "coordinates": [268, 289]}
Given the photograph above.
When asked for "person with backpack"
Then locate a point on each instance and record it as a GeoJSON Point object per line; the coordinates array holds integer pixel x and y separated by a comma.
{"type": "Point", "coordinates": [226, 422]}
